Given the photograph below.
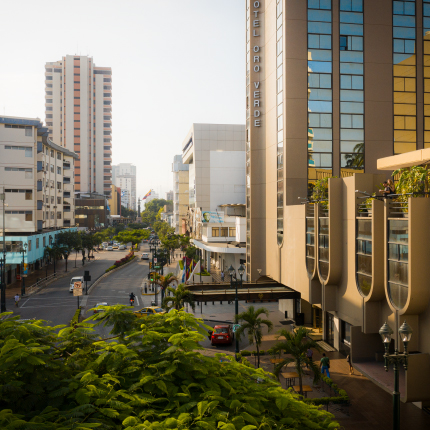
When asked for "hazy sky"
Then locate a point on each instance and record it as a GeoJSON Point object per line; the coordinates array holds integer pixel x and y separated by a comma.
{"type": "Point", "coordinates": [174, 62]}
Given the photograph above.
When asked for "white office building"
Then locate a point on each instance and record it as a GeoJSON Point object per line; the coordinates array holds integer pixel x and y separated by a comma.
{"type": "Point", "coordinates": [124, 177]}
{"type": "Point", "coordinates": [180, 193]}
{"type": "Point", "coordinates": [215, 154]}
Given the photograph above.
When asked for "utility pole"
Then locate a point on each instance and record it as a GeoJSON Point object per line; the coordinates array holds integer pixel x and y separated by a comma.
{"type": "Point", "coordinates": [3, 272]}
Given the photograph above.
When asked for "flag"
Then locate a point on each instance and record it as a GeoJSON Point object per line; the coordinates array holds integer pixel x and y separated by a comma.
{"type": "Point", "coordinates": [147, 194]}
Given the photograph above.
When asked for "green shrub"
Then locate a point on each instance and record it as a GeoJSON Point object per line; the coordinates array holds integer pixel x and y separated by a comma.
{"type": "Point", "coordinates": [110, 268]}
{"type": "Point", "coordinates": [245, 362]}
{"type": "Point", "coordinates": [75, 318]}
{"type": "Point", "coordinates": [239, 357]}
{"type": "Point", "coordinates": [246, 353]}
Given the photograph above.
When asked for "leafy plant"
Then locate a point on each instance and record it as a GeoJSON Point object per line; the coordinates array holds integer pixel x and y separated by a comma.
{"type": "Point", "coordinates": [251, 322]}
{"type": "Point", "coordinates": [147, 375]}
{"type": "Point", "coordinates": [179, 296]}
{"type": "Point", "coordinates": [296, 345]}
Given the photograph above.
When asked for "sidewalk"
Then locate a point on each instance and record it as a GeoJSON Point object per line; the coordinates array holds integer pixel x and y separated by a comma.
{"type": "Point", "coordinates": [60, 270]}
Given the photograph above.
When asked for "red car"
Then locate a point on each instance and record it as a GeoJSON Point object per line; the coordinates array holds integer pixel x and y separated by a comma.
{"type": "Point", "coordinates": [222, 334]}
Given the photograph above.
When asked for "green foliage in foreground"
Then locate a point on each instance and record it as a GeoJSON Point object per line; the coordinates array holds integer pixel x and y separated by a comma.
{"type": "Point", "coordinates": [148, 375]}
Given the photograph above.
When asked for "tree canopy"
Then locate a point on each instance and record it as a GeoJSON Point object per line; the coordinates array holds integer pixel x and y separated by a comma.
{"type": "Point", "coordinates": [149, 215]}
{"type": "Point", "coordinates": [148, 375]}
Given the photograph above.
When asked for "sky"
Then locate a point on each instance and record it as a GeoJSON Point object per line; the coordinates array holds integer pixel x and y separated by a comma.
{"type": "Point", "coordinates": [174, 63]}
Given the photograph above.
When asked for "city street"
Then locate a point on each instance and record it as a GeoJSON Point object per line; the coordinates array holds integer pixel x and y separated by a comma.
{"type": "Point", "coordinates": [55, 303]}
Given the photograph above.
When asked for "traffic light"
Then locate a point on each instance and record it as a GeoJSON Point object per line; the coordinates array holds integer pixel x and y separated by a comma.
{"type": "Point", "coordinates": [152, 276]}
{"type": "Point", "coordinates": [150, 265]}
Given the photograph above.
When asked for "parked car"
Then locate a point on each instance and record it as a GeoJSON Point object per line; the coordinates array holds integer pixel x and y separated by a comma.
{"type": "Point", "coordinates": [122, 247]}
{"type": "Point", "coordinates": [222, 334]}
{"type": "Point", "coordinates": [98, 308]}
{"type": "Point", "coordinates": [75, 279]}
{"type": "Point", "coordinates": [109, 248]}
{"type": "Point", "coordinates": [150, 310]}
{"type": "Point", "coordinates": [144, 256]}
{"type": "Point", "coordinates": [115, 246]}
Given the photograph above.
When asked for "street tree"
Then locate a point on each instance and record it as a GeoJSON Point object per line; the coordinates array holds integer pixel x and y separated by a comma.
{"type": "Point", "coordinates": [251, 323]}
{"type": "Point", "coordinates": [147, 375]}
{"type": "Point", "coordinates": [296, 345]}
{"type": "Point", "coordinates": [68, 241]}
{"type": "Point", "coordinates": [165, 281]}
{"type": "Point", "coordinates": [179, 296]}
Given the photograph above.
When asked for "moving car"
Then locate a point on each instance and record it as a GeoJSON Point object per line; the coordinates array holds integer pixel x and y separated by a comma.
{"type": "Point", "coordinates": [150, 310]}
{"type": "Point", "coordinates": [144, 256]}
{"type": "Point", "coordinates": [76, 279]}
{"type": "Point", "coordinates": [115, 246]}
{"type": "Point", "coordinates": [222, 334]}
{"type": "Point", "coordinates": [121, 247]}
{"type": "Point", "coordinates": [109, 248]}
{"type": "Point", "coordinates": [98, 307]}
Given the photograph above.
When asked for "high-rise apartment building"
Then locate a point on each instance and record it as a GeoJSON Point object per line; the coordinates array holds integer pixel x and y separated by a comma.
{"type": "Point", "coordinates": [78, 111]}
{"type": "Point", "coordinates": [124, 177]}
{"type": "Point", "coordinates": [169, 195]}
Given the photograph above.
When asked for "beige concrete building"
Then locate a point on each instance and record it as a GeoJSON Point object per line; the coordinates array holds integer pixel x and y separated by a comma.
{"type": "Point", "coordinates": [180, 192]}
{"type": "Point", "coordinates": [78, 112]}
{"type": "Point", "coordinates": [333, 86]}
{"type": "Point", "coordinates": [37, 176]}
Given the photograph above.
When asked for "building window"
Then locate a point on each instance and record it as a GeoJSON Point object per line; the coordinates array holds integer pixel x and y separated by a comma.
{"type": "Point", "coordinates": [29, 216]}
{"type": "Point", "coordinates": [58, 215]}
{"type": "Point", "coordinates": [364, 256]}
{"type": "Point", "coordinates": [58, 185]}
{"type": "Point", "coordinates": [44, 238]}
{"type": "Point", "coordinates": [81, 216]}
{"type": "Point", "coordinates": [426, 49]}
{"type": "Point", "coordinates": [59, 170]}
{"type": "Point", "coordinates": [224, 231]}
{"type": "Point", "coordinates": [404, 76]}
{"type": "Point", "coordinates": [351, 87]}
{"type": "Point", "coordinates": [37, 243]}
{"type": "Point", "coordinates": [215, 231]}
{"type": "Point", "coordinates": [58, 200]}
{"type": "Point", "coordinates": [232, 231]}
{"type": "Point", "coordinates": [320, 96]}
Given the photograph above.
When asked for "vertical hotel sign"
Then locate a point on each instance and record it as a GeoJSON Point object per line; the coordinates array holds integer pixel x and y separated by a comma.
{"type": "Point", "coordinates": [256, 61]}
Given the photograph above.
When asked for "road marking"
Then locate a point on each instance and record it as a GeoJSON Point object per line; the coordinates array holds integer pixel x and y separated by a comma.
{"type": "Point", "coordinates": [24, 303]}
{"type": "Point", "coordinates": [137, 300]}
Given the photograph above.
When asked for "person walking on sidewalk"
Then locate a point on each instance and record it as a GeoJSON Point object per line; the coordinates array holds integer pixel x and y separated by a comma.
{"type": "Point", "coordinates": [222, 276]}
{"type": "Point", "coordinates": [348, 360]}
{"type": "Point", "coordinates": [325, 365]}
{"type": "Point", "coordinates": [309, 354]}
{"type": "Point", "coordinates": [16, 299]}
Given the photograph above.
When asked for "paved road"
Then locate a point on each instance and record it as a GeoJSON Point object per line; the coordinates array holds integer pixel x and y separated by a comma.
{"type": "Point", "coordinates": [55, 303]}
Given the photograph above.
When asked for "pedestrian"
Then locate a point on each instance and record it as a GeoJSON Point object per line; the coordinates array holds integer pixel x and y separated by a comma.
{"type": "Point", "coordinates": [348, 360]}
{"type": "Point", "coordinates": [309, 354]}
{"type": "Point", "coordinates": [222, 276]}
{"type": "Point", "coordinates": [16, 299]}
{"type": "Point", "coordinates": [325, 365]}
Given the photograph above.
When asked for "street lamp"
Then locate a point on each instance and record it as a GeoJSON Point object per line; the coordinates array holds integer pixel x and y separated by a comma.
{"type": "Point", "coordinates": [23, 250]}
{"type": "Point", "coordinates": [396, 359]}
{"type": "Point", "coordinates": [231, 271]}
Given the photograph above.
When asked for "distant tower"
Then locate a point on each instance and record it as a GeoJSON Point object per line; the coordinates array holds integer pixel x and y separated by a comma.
{"type": "Point", "coordinates": [138, 218]}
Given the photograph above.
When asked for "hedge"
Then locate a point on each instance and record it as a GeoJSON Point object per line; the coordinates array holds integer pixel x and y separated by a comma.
{"type": "Point", "coordinates": [75, 319]}
{"type": "Point", "coordinates": [340, 398]}
{"type": "Point", "coordinates": [121, 262]}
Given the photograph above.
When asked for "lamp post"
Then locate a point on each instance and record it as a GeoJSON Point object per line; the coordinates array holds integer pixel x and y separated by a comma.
{"type": "Point", "coordinates": [153, 250]}
{"type": "Point", "coordinates": [231, 272]}
{"type": "Point", "coordinates": [396, 359]}
{"type": "Point", "coordinates": [23, 250]}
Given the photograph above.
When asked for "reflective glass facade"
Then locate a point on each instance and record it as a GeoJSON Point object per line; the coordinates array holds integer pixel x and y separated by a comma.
{"type": "Point", "coordinates": [364, 256]}
{"type": "Point", "coordinates": [280, 122]}
{"type": "Point", "coordinates": [351, 43]}
{"type": "Point", "coordinates": [398, 240]}
{"type": "Point", "coordinates": [404, 74]}
{"type": "Point", "coordinates": [320, 94]}
{"type": "Point", "coordinates": [310, 241]}
{"type": "Point", "coordinates": [426, 63]}
{"type": "Point", "coordinates": [323, 247]}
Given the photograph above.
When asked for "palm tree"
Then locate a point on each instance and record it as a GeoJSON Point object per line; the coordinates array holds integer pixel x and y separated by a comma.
{"type": "Point", "coordinates": [296, 344]}
{"type": "Point", "coordinates": [180, 296]}
{"type": "Point", "coordinates": [165, 281]}
{"type": "Point", "coordinates": [251, 321]}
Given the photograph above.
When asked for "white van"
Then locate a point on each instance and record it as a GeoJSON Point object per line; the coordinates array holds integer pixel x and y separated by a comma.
{"type": "Point", "coordinates": [145, 256]}
{"type": "Point", "coordinates": [76, 279]}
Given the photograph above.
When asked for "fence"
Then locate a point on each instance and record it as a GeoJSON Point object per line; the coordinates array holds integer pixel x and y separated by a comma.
{"type": "Point", "coordinates": [40, 283]}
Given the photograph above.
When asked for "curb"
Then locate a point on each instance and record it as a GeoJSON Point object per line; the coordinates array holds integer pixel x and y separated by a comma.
{"type": "Point", "coordinates": [109, 273]}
